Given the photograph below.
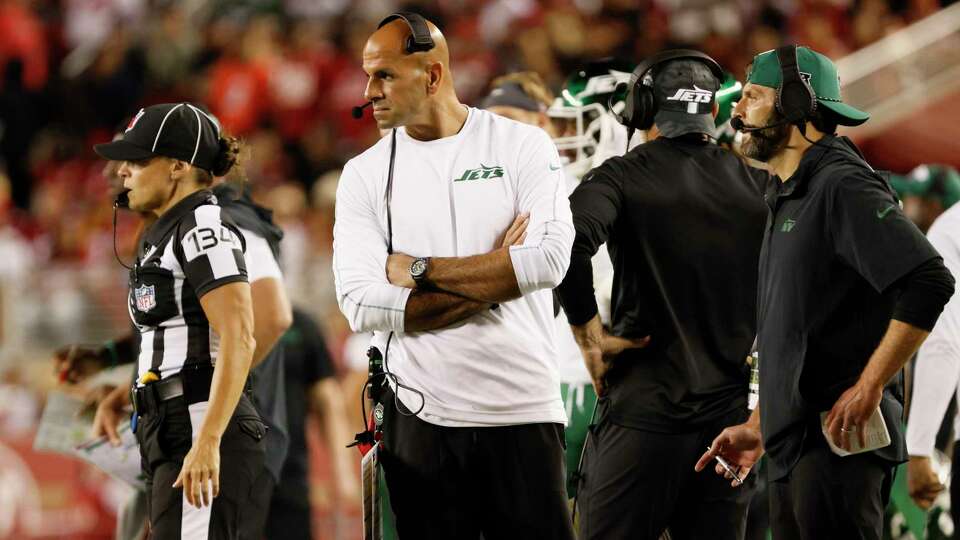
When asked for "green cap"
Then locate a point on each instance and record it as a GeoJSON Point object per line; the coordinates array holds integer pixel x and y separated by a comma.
{"type": "Point", "coordinates": [819, 71]}
{"type": "Point", "coordinates": [939, 182]}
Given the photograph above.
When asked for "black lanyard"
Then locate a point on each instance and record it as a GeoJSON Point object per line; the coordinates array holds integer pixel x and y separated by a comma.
{"type": "Point", "coordinates": [393, 153]}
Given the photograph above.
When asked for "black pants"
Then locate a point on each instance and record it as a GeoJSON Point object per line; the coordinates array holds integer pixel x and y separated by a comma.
{"type": "Point", "coordinates": [758, 514]}
{"type": "Point", "coordinates": [502, 482]}
{"type": "Point", "coordinates": [253, 519]}
{"type": "Point", "coordinates": [828, 496]}
{"type": "Point", "coordinates": [289, 521]}
{"type": "Point", "coordinates": [637, 483]}
{"type": "Point", "coordinates": [165, 436]}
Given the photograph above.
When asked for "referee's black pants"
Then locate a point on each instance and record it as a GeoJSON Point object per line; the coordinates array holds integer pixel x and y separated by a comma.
{"type": "Point", "coordinates": [827, 496]}
{"type": "Point", "coordinates": [635, 484]}
{"type": "Point", "coordinates": [165, 436]}
{"type": "Point", "coordinates": [504, 482]}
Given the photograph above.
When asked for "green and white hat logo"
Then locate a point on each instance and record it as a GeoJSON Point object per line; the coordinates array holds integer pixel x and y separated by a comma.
{"type": "Point", "coordinates": [818, 71]}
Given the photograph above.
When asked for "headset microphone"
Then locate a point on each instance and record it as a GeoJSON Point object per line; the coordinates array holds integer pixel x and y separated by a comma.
{"type": "Point", "coordinates": [358, 110]}
{"type": "Point", "coordinates": [122, 200]}
{"type": "Point", "coordinates": [737, 124]}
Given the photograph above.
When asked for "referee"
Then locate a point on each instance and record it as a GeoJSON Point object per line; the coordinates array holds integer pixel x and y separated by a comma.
{"type": "Point", "coordinates": [272, 316]}
{"type": "Point", "coordinates": [201, 439]}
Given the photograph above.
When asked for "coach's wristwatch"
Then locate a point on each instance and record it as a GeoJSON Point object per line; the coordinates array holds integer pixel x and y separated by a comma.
{"type": "Point", "coordinates": [418, 270]}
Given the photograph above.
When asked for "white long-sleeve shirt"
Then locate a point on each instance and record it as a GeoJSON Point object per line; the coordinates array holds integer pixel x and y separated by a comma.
{"type": "Point", "coordinates": [937, 372]}
{"type": "Point", "coordinates": [454, 197]}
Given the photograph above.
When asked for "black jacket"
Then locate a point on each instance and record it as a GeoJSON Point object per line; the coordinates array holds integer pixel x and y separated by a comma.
{"type": "Point", "coordinates": [683, 221]}
{"type": "Point", "coordinates": [836, 254]}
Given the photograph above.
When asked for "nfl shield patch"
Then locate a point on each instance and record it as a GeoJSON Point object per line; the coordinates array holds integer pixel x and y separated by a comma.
{"type": "Point", "coordinates": [145, 298]}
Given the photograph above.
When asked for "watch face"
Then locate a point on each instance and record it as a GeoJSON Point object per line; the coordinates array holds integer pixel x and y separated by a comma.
{"type": "Point", "coordinates": [418, 267]}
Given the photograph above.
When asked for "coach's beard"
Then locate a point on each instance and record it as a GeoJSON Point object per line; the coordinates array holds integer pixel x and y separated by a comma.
{"type": "Point", "coordinates": [766, 143]}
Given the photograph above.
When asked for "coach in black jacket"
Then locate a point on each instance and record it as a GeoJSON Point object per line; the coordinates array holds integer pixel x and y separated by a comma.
{"type": "Point", "coordinates": [848, 289]}
{"type": "Point", "coordinates": [682, 219]}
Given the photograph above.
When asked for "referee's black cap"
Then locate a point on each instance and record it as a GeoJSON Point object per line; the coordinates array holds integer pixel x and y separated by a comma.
{"type": "Point", "coordinates": [177, 130]}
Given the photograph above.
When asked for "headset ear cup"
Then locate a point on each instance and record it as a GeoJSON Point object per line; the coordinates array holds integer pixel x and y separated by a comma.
{"type": "Point", "coordinates": [795, 101]}
{"type": "Point", "coordinates": [626, 113]}
{"type": "Point", "coordinates": [646, 107]}
{"type": "Point", "coordinates": [419, 39]}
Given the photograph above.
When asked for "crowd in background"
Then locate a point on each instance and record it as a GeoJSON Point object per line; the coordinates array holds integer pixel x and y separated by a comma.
{"type": "Point", "coordinates": [283, 75]}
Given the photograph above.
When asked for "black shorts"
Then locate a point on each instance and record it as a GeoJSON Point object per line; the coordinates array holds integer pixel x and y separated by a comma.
{"type": "Point", "coordinates": [165, 437]}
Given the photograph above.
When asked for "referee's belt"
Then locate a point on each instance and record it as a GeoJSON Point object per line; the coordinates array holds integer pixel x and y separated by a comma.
{"type": "Point", "coordinates": [192, 384]}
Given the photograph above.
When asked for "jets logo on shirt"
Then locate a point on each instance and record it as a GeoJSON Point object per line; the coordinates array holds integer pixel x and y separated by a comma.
{"type": "Point", "coordinates": [482, 173]}
{"type": "Point", "coordinates": [145, 298]}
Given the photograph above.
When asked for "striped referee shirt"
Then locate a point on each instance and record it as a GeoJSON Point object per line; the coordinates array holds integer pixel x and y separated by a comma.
{"type": "Point", "coordinates": [190, 250]}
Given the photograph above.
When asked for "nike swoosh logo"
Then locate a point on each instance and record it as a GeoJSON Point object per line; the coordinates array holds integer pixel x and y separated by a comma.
{"type": "Point", "coordinates": [883, 213]}
{"type": "Point", "coordinates": [554, 167]}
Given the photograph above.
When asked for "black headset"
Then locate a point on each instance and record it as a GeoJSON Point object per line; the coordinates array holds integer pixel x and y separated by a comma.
{"type": "Point", "coordinates": [419, 39]}
{"type": "Point", "coordinates": [640, 105]}
{"type": "Point", "coordinates": [796, 100]}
